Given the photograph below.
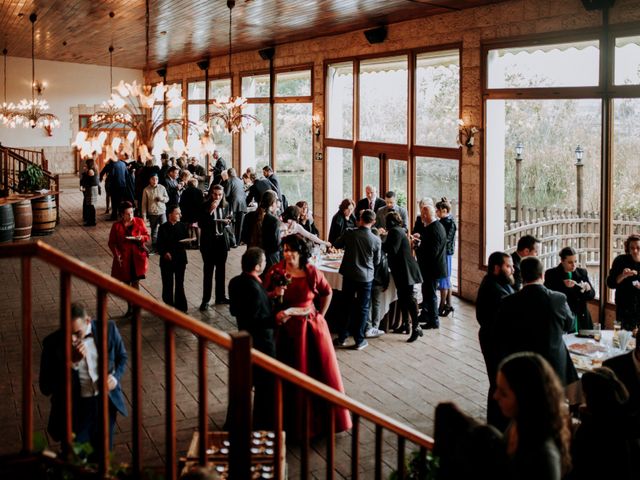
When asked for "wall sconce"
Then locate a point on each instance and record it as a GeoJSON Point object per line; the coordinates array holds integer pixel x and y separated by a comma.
{"type": "Point", "coordinates": [466, 136]}
{"type": "Point", "coordinates": [317, 125]}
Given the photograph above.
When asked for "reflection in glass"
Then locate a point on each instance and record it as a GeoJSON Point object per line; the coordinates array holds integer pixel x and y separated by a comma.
{"type": "Point", "coordinates": [370, 172]}
{"type": "Point", "coordinates": [255, 86]}
{"type": "Point", "coordinates": [398, 180]}
{"type": "Point", "coordinates": [220, 87]}
{"type": "Point", "coordinates": [339, 176]}
{"type": "Point", "coordinates": [339, 123]}
{"type": "Point", "coordinates": [195, 90]}
{"type": "Point", "coordinates": [255, 141]}
{"type": "Point", "coordinates": [383, 100]}
{"type": "Point", "coordinates": [293, 84]}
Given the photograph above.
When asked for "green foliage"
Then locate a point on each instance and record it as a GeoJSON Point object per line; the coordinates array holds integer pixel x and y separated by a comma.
{"type": "Point", "coordinates": [31, 179]}
{"type": "Point", "coordinates": [412, 467]}
{"type": "Point", "coordinates": [402, 199]}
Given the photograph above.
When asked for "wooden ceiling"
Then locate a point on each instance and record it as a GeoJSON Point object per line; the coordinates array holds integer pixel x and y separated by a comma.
{"type": "Point", "coordinates": [183, 31]}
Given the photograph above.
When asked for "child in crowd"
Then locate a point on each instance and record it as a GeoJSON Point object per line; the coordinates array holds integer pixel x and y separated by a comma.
{"type": "Point", "coordinates": [443, 211]}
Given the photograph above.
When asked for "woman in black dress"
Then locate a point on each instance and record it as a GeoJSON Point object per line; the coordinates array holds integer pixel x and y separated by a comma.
{"type": "Point", "coordinates": [624, 279]}
{"type": "Point", "coordinates": [342, 221]}
{"type": "Point", "coordinates": [90, 186]}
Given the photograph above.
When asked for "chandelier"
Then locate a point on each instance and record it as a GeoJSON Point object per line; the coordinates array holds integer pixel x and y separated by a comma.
{"type": "Point", "coordinates": [7, 110]}
{"type": "Point", "coordinates": [228, 114]}
{"type": "Point", "coordinates": [33, 113]}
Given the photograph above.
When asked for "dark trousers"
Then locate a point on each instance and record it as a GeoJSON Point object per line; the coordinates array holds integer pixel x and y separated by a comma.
{"type": "Point", "coordinates": [408, 305]}
{"type": "Point", "coordinates": [173, 285]}
{"type": "Point", "coordinates": [494, 414]}
{"type": "Point", "coordinates": [214, 258]}
{"type": "Point", "coordinates": [117, 197]}
{"type": "Point", "coordinates": [88, 214]}
{"type": "Point", "coordinates": [86, 421]}
{"type": "Point", "coordinates": [357, 297]}
{"type": "Point", "coordinates": [430, 301]}
{"type": "Point", "coordinates": [237, 225]}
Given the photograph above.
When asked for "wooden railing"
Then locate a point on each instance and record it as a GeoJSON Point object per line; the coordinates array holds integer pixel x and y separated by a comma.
{"type": "Point", "coordinates": [241, 356]}
{"type": "Point", "coordinates": [34, 156]}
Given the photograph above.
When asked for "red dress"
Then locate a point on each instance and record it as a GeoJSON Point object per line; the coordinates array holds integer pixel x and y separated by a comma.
{"type": "Point", "coordinates": [305, 344]}
{"type": "Point", "coordinates": [135, 260]}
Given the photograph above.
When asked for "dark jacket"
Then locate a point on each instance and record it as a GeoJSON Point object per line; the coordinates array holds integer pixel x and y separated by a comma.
{"type": "Point", "coordinates": [251, 306]}
{"type": "Point", "coordinates": [625, 370]}
{"type": "Point", "coordinates": [534, 320]}
{"type": "Point", "coordinates": [191, 202]}
{"type": "Point", "coordinates": [52, 374]}
{"type": "Point", "coordinates": [363, 204]}
{"type": "Point", "coordinates": [173, 191]}
{"type": "Point", "coordinates": [234, 192]}
{"type": "Point", "coordinates": [118, 175]}
{"type": "Point", "coordinates": [627, 296]}
{"type": "Point", "coordinates": [169, 237]}
{"type": "Point", "coordinates": [256, 190]}
{"type": "Point", "coordinates": [432, 251]}
{"type": "Point", "coordinates": [381, 275]}
{"type": "Point", "coordinates": [381, 216]}
{"type": "Point", "coordinates": [362, 250]}
{"type": "Point", "coordinates": [271, 239]}
{"type": "Point", "coordinates": [450, 228]}
{"type": "Point", "coordinates": [404, 267]}
{"type": "Point", "coordinates": [214, 233]}
{"type": "Point", "coordinates": [339, 225]}
{"type": "Point", "coordinates": [577, 300]}
{"type": "Point", "coordinates": [275, 184]}
{"type": "Point", "coordinates": [517, 276]}
{"type": "Point", "coordinates": [310, 227]}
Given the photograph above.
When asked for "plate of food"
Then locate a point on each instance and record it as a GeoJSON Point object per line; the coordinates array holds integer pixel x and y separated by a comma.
{"type": "Point", "coordinates": [333, 256]}
{"type": "Point", "coordinates": [298, 311]}
{"type": "Point", "coordinates": [587, 348]}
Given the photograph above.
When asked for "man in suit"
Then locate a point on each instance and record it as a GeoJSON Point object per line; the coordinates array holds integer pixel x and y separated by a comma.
{"type": "Point", "coordinates": [257, 188]}
{"type": "Point", "coordinates": [197, 171]}
{"type": "Point", "coordinates": [391, 205]}
{"type": "Point", "coordinates": [214, 245]}
{"type": "Point", "coordinates": [173, 186]}
{"type": "Point", "coordinates": [362, 250]}
{"type": "Point", "coordinates": [237, 200]}
{"type": "Point", "coordinates": [218, 168]}
{"type": "Point", "coordinates": [251, 306]}
{"type": "Point", "coordinates": [118, 186]}
{"type": "Point", "coordinates": [173, 258]}
{"type": "Point", "coordinates": [430, 240]}
{"type": "Point", "coordinates": [496, 285]}
{"type": "Point", "coordinates": [528, 246]}
{"type": "Point", "coordinates": [534, 320]}
{"type": "Point", "coordinates": [84, 377]}
{"type": "Point", "coordinates": [271, 177]}
{"type": "Point", "coordinates": [627, 369]}
{"type": "Point", "coordinates": [371, 201]}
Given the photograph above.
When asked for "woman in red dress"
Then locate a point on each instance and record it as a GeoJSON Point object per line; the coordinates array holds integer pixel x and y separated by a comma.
{"type": "Point", "coordinates": [126, 242]}
{"type": "Point", "coordinates": [304, 341]}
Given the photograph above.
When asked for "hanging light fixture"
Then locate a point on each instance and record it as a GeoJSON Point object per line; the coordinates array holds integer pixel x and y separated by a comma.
{"type": "Point", "coordinates": [33, 113]}
{"type": "Point", "coordinates": [7, 110]}
{"type": "Point", "coordinates": [228, 114]}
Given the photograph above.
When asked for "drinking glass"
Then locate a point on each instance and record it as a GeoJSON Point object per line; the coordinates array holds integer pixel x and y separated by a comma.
{"type": "Point", "coordinates": [597, 332]}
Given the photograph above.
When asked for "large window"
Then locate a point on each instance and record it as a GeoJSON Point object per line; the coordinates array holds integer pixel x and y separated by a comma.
{"type": "Point", "coordinates": [340, 168]}
{"type": "Point", "coordinates": [339, 91]}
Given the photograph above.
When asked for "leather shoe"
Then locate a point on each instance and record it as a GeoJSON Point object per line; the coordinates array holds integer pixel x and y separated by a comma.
{"type": "Point", "coordinates": [222, 301]}
{"type": "Point", "coordinates": [431, 326]}
{"type": "Point", "coordinates": [204, 307]}
{"type": "Point", "coordinates": [417, 332]}
{"type": "Point", "coordinates": [401, 329]}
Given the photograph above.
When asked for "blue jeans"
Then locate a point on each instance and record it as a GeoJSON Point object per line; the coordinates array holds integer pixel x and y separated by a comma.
{"type": "Point", "coordinates": [357, 296]}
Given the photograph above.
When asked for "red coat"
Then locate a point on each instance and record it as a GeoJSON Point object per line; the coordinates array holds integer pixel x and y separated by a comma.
{"type": "Point", "coordinates": [134, 256]}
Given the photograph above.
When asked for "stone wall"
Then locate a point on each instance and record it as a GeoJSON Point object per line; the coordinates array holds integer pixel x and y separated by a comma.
{"type": "Point", "coordinates": [468, 28]}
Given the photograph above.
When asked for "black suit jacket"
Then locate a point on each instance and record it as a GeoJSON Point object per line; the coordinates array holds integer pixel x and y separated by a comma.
{"type": "Point", "coordinates": [577, 300]}
{"type": "Point", "coordinates": [432, 251]}
{"type": "Point", "coordinates": [258, 188]}
{"type": "Point", "coordinates": [169, 237]}
{"type": "Point", "coordinates": [271, 239]}
{"type": "Point", "coordinates": [339, 225]}
{"type": "Point", "coordinates": [625, 370]}
{"type": "Point", "coordinates": [236, 198]}
{"type": "Point", "coordinates": [534, 320]}
{"type": "Point", "coordinates": [517, 276]}
{"type": "Point", "coordinates": [191, 203]}
{"type": "Point", "coordinates": [404, 268]}
{"type": "Point", "coordinates": [52, 374]}
{"type": "Point", "coordinates": [363, 204]}
{"type": "Point", "coordinates": [210, 241]}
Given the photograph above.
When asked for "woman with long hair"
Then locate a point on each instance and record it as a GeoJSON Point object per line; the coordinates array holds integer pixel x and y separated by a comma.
{"type": "Point", "coordinates": [624, 277]}
{"type": "Point", "coordinates": [530, 395]}
{"type": "Point", "coordinates": [306, 218]}
{"type": "Point", "coordinates": [291, 226]}
{"type": "Point", "coordinates": [126, 241]}
{"type": "Point", "coordinates": [262, 228]}
{"type": "Point", "coordinates": [90, 187]}
{"type": "Point", "coordinates": [303, 339]}
{"type": "Point", "coordinates": [343, 220]}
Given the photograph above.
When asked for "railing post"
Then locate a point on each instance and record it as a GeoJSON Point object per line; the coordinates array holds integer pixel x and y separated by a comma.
{"type": "Point", "coordinates": [136, 393]}
{"type": "Point", "coordinates": [203, 413]}
{"type": "Point", "coordinates": [170, 401]}
{"type": "Point", "coordinates": [65, 321]}
{"type": "Point", "coordinates": [27, 370]}
{"type": "Point", "coordinates": [240, 406]}
{"type": "Point", "coordinates": [103, 372]}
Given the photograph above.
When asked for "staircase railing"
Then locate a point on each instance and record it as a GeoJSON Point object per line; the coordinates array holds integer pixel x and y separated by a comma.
{"type": "Point", "coordinates": [241, 357]}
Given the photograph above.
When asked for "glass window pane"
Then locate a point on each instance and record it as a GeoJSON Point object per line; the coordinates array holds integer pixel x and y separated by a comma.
{"type": "Point", "coordinates": [383, 100]}
{"type": "Point", "coordinates": [195, 90]}
{"type": "Point", "coordinates": [195, 112]}
{"type": "Point", "coordinates": [293, 84]}
{"type": "Point", "coordinates": [548, 192]}
{"type": "Point", "coordinates": [437, 178]}
{"type": "Point", "coordinates": [219, 88]}
{"type": "Point", "coordinates": [339, 176]}
{"type": "Point", "coordinates": [294, 151]}
{"type": "Point", "coordinates": [626, 173]}
{"type": "Point", "coordinates": [339, 121]}
{"type": "Point", "coordinates": [398, 180]}
{"type": "Point", "coordinates": [627, 61]}
{"type": "Point", "coordinates": [437, 98]}
{"type": "Point", "coordinates": [370, 172]}
{"type": "Point", "coordinates": [255, 141]}
{"type": "Point", "coordinates": [256, 86]}
{"type": "Point", "coordinates": [573, 64]}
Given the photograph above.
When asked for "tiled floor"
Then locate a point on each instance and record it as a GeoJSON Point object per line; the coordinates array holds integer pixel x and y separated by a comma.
{"type": "Point", "coordinates": [404, 381]}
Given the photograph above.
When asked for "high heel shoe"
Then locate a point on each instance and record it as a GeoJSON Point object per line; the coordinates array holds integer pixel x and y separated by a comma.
{"type": "Point", "coordinates": [417, 332]}
{"type": "Point", "coordinates": [401, 329]}
{"type": "Point", "coordinates": [449, 309]}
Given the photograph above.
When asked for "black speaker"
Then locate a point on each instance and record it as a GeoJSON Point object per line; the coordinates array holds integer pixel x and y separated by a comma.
{"type": "Point", "coordinates": [203, 64]}
{"type": "Point", "coordinates": [267, 53]}
{"type": "Point", "coordinates": [376, 35]}
{"type": "Point", "coordinates": [162, 72]}
{"type": "Point", "coordinates": [597, 4]}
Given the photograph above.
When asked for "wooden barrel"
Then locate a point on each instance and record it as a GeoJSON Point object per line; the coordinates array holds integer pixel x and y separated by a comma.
{"type": "Point", "coordinates": [6, 223]}
{"type": "Point", "coordinates": [24, 219]}
{"type": "Point", "coordinates": [44, 215]}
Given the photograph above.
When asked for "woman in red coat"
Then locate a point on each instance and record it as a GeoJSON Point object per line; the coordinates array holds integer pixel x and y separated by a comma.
{"type": "Point", "coordinates": [126, 241]}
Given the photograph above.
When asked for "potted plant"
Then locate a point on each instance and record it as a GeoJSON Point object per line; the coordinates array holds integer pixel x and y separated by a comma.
{"type": "Point", "coordinates": [31, 179]}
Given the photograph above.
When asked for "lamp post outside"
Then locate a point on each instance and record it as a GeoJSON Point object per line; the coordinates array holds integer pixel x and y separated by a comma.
{"type": "Point", "coordinates": [519, 149]}
{"type": "Point", "coordinates": [579, 154]}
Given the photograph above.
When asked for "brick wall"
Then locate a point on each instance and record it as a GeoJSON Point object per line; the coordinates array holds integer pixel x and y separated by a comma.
{"type": "Point", "coordinates": [470, 28]}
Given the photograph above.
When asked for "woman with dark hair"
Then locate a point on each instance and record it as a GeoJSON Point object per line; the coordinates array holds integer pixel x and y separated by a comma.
{"type": "Point", "coordinates": [126, 242]}
{"type": "Point", "coordinates": [342, 221]}
{"type": "Point", "coordinates": [443, 211]}
{"type": "Point", "coordinates": [405, 271]}
{"type": "Point", "coordinates": [303, 338]}
{"type": "Point", "coordinates": [291, 225]}
{"type": "Point", "coordinates": [90, 186]}
{"type": "Point", "coordinates": [306, 219]}
{"type": "Point", "coordinates": [574, 282]}
{"type": "Point", "coordinates": [606, 426]}
{"type": "Point", "coordinates": [537, 439]}
{"type": "Point", "coordinates": [623, 278]}
{"type": "Point", "coordinates": [262, 228]}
